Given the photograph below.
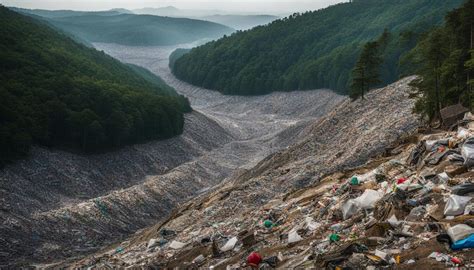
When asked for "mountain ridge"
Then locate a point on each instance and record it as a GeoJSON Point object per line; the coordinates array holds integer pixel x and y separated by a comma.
{"type": "Point", "coordinates": [133, 29]}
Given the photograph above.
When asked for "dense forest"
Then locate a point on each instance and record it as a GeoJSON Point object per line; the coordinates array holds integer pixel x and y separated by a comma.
{"type": "Point", "coordinates": [176, 54]}
{"type": "Point", "coordinates": [134, 30]}
{"type": "Point", "coordinates": [56, 92]}
{"type": "Point", "coordinates": [312, 50]}
{"type": "Point", "coordinates": [444, 58]}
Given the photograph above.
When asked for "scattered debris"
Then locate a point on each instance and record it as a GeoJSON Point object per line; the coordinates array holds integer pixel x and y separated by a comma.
{"type": "Point", "coordinates": [410, 206]}
{"type": "Point", "coordinates": [254, 259]}
{"type": "Point", "coordinates": [229, 245]}
{"type": "Point", "coordinates": [177, 245]}
{"type": "Point", "coordinates": [451, 114]}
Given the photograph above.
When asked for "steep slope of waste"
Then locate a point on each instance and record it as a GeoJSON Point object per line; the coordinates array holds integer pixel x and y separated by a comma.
{"type": "Point", "coordinates": [54, 179]}
{"type": "Point", "coordinates": [361, 190]}
{"type": "Point", "coordinates": [59, 205]}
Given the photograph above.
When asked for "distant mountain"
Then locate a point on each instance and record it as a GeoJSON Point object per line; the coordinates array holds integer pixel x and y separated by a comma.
{"type": "Point", "coordinates": [171, 11]}
{"type": "Point", "coordinates": [313, 50]}
{"type": "Point", "coordinates": [163, 11]}
{"type": "Point", "coordinates": [121, 10]}
{"type": "Point", "coordinates": [56, 92]}
{"type": "Point", "coordinates": [131, 29]}
{"type": "Point", "coordinates": [66, 13]}
{"type": "Point", "coordinates": [241, 22]}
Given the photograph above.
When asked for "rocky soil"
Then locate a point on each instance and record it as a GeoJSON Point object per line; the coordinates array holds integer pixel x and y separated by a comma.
{"type": "Point", "coordinates": [286, 187]}
{"type": "Point", "coordinates": [57, 205]}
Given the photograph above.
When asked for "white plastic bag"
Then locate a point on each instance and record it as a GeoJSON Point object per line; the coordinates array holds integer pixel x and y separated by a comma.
{"type": "Point", "coordinates": [370, 176]}
{"type": "Point", "coordinates": [311, 224]}
{"type": "Point", "coordinates": [365, 201]}
{"type": "Point", "coordinates": [393, 220]}
{"type": "Point", "coordinates": [443, 177]}
{"type": "Point", "coordinates": [368, 199]}
{"type": "Point", "coordinates": [459, 232]}
{"type": "Point", "coordinates": [349, 209]}
{"type": "Point", "coordinates": [153, 243]}
{"type": "Point", "coordinates": [463, 133]}
{"type": "Point", "coordinates": [229, 245]}
{"type": "Point", "coordinates": [177, 245]}
{"type": "Point", "coordinates": [455, 205]}
{"type": "Point", "coordinates": [382, 255]}
{"type": "Point", "coordinates": [294, 237]}
{"type": "Point", "coordinates": [429, 144]}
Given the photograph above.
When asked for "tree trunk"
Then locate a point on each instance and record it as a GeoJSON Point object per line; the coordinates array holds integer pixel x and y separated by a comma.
{"type": "Point", "coordinates": [438, 107]}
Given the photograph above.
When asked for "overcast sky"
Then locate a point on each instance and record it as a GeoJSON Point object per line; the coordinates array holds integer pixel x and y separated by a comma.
{"type": "Point", "coordinates": [263, 6]}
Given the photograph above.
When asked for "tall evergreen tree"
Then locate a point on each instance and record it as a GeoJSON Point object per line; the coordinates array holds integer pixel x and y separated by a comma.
{"type": "Point", "coordinates": [366, 71]}
{"type": "Point", "coordinates": [445, 63]}
{"type": "Point", "coordinates": [435, 52]}
{"type": "Point", "coordinates": [470, 69]}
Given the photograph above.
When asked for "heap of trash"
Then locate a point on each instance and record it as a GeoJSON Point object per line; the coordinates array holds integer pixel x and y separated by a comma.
{"type": "Point", "coordinates": [412, 208]}
{"type": "Point", "coordinates": [329, 203]}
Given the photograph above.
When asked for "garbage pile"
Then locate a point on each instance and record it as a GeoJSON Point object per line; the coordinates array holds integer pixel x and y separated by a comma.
{"type": "Point", "coordinates": [411, 209]}
{"type": "Point", "coordinates": [260, 209]}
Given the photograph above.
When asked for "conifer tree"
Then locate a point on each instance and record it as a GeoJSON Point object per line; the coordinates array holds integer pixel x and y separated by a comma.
{"type": "Point", "coordinates": [366, 71]}
{"type": "Point", "coordinates": [445, 65]}
{"type": "Point", "coordinates": [470, 69]}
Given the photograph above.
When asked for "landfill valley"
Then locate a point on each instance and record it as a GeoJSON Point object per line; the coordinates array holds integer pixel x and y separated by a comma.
{"type": "Point", "coordinates": [307, 180]}
{"type": "Point", "coordinates": [368, 188]}
{"type": "Point", "coordinates": [58, 205]}
{"type": "Point", "coordinates": [334, 135]}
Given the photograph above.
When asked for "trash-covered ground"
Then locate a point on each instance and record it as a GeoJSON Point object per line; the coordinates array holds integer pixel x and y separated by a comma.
{"type": "Point", "coordinates": [390, 196]}
{"type": "Point", "coordinates": [56, 204]}
{"type": "Point", "coordinates": [52, 203]}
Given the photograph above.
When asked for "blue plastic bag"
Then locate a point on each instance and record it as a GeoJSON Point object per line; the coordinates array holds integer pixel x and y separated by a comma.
{"type": "Point", "coordinates": [464, 243]}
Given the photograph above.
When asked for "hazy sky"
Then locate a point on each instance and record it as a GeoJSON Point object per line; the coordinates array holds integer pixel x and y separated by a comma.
{"type": "Point", "coordinates": [263, 6]}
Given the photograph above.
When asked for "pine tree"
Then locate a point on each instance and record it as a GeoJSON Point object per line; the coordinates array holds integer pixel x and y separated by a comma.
{"type": "Point", "coordinates": [470, 69]}
{"type": "Point", "coordinates": [366, 71]}
{"type": "Point", "coordinates": [444, 60]}
{"type": "Point", "coordinates": [433, 52]}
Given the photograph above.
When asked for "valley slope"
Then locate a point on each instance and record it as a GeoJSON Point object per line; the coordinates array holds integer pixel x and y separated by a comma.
{"type": "Point", "coordinates": [348, 136]}
{"type": "Point", "coordinates": [102, 199]}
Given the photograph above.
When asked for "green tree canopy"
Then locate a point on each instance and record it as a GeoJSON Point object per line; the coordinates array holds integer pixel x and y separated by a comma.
{"type": "Point", "coordinates": [56, 92]}
{"type": "Point", "coordinates": [445, 65]}
{"type": "Point", "coordinates": [312, 50]}
{"type": "Point", "coordinates": [366, 71]}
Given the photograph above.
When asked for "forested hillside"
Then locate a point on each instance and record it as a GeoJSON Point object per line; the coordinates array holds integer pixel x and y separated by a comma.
{"type": "Point", "coordinates": [311, 50]}
{"type": "Point", "coordinates": [444, 58]}
{"type": "Point", "coordinates": [139, 30]}
{"type": "Point", "coordinates": [175, 55]}
{"type": "Point", "coordinates": [56, 92]}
